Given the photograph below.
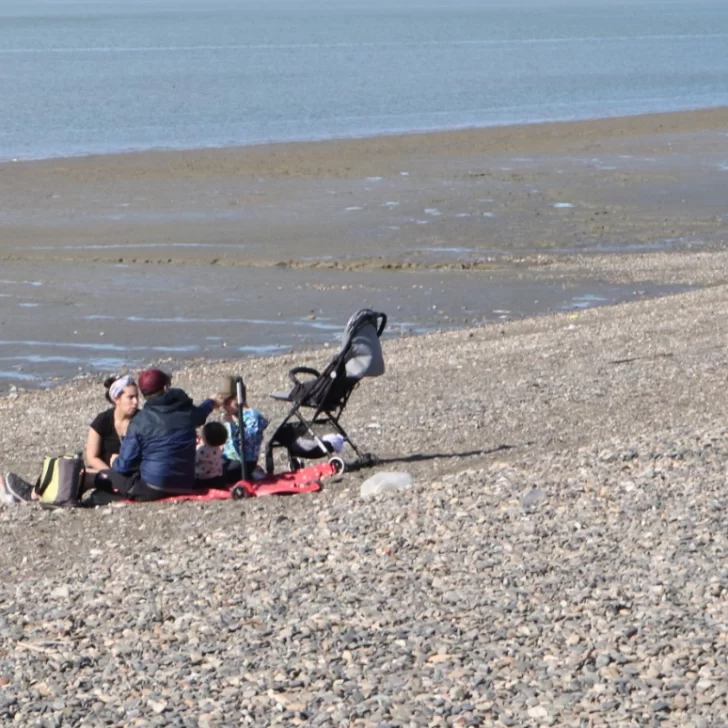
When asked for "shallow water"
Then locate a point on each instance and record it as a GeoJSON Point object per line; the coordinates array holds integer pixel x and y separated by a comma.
{"type": "Point", "coordinates": [118, 318]}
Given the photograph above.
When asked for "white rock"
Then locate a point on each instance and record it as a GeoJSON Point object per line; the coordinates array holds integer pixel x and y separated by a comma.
{"type": "Point", "coordinates": [385, 482]}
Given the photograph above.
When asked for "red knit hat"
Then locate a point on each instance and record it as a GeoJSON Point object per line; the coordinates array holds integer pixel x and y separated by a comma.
{"type": "Point", "coordinates": [153, 380]}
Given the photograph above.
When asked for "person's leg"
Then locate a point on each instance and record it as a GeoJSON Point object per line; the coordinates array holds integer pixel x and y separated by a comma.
{"type": "Point", "coordinates": [253, 471]}
{"type": "Point", "coordinates": [17, 490]}
{"type": "Point", "coordinates": [131, 487]}
{"type": "Point", "coordinates": [89, 480]}
{"type": "Point", "coordinates": [107, 480]}
{"type": "Point", "coordinates": [216, 483]}
{"type": "Point", "coordinates": [232, 471]}
{"type": "Point", "coordinates": [141, 492]}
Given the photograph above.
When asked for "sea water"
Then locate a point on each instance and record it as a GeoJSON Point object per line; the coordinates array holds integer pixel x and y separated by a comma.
{"type": "Point", "coordinates": [80, 77]}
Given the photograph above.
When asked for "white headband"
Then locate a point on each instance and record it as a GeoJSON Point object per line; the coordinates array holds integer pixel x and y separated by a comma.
{"type": "Point", "coordinates": [119, 386]}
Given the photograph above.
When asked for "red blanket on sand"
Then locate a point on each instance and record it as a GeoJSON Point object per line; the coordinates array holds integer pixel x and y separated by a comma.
{"type": "Point", "coordinates": [306, 480]}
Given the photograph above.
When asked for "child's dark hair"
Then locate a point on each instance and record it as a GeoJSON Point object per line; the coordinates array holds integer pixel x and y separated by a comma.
{"type": "Point", "coordinates": [215, 434]}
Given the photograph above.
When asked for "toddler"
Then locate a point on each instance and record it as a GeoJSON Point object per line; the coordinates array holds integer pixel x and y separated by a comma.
{"type": "Point", "coordinates": [209, 458]}
{"type": "Point", "coordinates": [254, 423]}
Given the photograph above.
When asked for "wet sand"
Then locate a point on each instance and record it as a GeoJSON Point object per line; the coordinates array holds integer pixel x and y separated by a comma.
{"type": "Point", "coordinates": [111, 261]}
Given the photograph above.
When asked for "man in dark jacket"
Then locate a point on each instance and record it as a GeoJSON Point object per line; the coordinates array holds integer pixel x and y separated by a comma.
{"type": "Point", "coordinates": [157, 457]}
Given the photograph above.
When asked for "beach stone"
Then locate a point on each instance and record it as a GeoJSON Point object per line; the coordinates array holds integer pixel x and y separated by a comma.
{"type": "Point", "coordinates": [533, 498]}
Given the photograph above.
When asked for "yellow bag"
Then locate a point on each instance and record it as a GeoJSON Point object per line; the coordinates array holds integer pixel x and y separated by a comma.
{"type": "Point", "coordinates": [60, 481]}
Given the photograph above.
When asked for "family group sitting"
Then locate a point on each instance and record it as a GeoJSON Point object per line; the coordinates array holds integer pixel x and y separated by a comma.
{"type": "Point", "coordinates": [155, 452]}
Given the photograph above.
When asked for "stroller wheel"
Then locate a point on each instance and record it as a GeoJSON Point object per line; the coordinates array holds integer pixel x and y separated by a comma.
{"type": "Point", "coordinates": [295, 464]}
{"type": "Point", "coordinates": [369, 460]}
{"type": "Point", "coordinates": [338, 465]}
{"type": "Point", "coordinates": [239, 492]}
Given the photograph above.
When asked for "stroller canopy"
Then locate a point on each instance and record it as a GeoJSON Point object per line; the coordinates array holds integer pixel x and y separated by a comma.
{"type": "Point", "coordinates": [363, 350]}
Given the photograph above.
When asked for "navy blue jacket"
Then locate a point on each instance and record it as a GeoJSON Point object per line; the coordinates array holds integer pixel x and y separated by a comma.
{"type": "Point", "coordinates": [160, 442]}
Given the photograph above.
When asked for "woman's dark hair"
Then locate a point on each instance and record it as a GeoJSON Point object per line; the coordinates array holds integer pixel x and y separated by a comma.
{"type": "Point", "coordinates": [215, 433]}
{"type": "Point", "coordinates": [107, 386]}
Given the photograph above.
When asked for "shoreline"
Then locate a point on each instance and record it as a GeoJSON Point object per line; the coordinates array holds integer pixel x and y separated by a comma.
{"type": "Point", "coordinates": [555, 130]}
{"type": "Point", "coordinates": [555, 359]}
{"type": "Point", "coordinates": [409, 201]}
{"type": "Point", "coordinates": [386, 135]}
{"type": "Point", "coordinates": [591, 296]}
{"type": "Point", "coordinates": [265, 247]}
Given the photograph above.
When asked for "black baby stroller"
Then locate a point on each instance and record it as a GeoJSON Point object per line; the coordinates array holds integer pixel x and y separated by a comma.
{"type": "Point", "coordinates": [327, 393]}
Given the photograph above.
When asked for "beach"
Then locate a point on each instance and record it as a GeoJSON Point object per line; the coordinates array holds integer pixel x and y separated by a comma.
{"type": "Point", "coordinates": [268, 248]}
{"type": "Point", "coordinates": [273, 203]}
{"type": "Point", "coordinates": [556, 562]}
{"type": "Point", "coordinates": [558, 559]}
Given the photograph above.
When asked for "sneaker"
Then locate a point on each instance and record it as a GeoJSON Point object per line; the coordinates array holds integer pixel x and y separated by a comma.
{"type": "Point", "coordinates": [5, 496]}
{"type": "Point", "coordinates": [19, 490]}
{"type": "Point", "coordinates": [336, 441]}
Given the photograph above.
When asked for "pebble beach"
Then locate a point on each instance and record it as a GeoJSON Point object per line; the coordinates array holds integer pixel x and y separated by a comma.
{"type": "Point", "coordinates": [557, 561]}
{"type": "Point", "coordinates": [559, 557]}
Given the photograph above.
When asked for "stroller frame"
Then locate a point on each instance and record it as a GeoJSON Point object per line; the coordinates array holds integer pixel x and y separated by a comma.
{"type": "Point", "coordinates": [327, 393]}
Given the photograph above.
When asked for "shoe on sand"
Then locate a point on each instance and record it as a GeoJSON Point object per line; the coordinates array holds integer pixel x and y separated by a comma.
{"type": "Point", "coordinates": [19, 490]}
{"type": "Point", "coordinates": [5, 496]}
{"type": "Point", "coordinates": [336, 441]}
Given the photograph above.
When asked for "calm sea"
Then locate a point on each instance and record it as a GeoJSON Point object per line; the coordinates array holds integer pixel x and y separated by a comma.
{"type": "Point", "coordinates": [94, 76]}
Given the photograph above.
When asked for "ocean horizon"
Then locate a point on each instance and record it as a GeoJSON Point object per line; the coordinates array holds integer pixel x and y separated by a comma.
{"type": "Point", "coordinates": [81, 78]}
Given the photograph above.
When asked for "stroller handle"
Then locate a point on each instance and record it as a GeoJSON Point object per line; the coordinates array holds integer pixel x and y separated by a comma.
{"type": "Point", "coordinates": [381, 323]}
{"type": "Point", "coordinates": [302, 370]}
{"type": "Point", "coordinates": [241, 395]}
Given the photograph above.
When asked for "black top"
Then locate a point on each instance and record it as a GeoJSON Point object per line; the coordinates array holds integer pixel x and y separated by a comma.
{"type": "Point", "coordinates": [110, 441]}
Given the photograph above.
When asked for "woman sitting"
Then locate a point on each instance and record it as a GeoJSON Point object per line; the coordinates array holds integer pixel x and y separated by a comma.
{"type": "Point", "coordinates": [109, 427]}
{"type": "Point", "coordinates": [103, 442]}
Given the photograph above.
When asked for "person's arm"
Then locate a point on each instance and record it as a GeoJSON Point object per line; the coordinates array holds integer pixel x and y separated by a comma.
{"type": "Point", "coordinates": [130, 456]}
{"type": "Point", "coordinates": [93, 451]}
{"type": "Point", "coordinates": [202, 411]}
